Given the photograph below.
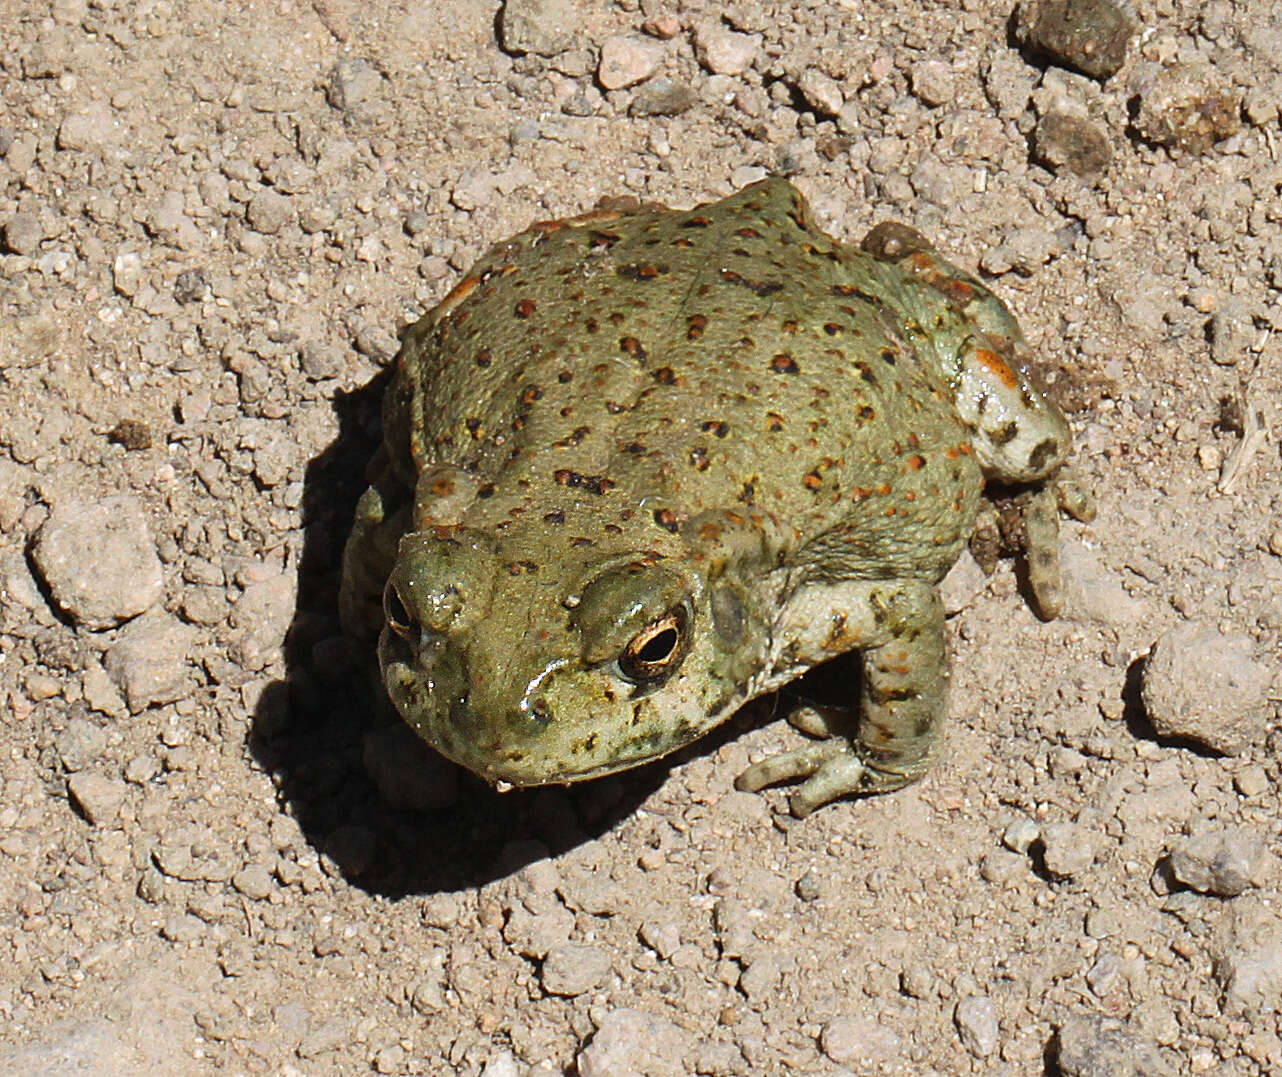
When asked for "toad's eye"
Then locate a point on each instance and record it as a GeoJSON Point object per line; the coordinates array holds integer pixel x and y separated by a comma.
{"type": "Point", "coordinates": [655, 652]}
{"type": "Point", "coordinates": [397, 614]}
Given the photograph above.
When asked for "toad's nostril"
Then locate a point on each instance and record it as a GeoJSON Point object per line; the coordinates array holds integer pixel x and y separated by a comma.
{"type": "Point", "coordinates": [398, 616]}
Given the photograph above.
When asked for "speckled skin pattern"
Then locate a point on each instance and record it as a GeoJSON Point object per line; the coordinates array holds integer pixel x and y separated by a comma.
{"type": "Point", "coordinates": [640, 468]}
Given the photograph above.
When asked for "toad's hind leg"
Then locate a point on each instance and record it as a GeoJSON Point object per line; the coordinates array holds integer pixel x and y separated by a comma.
{"type": "Point", "coordinates": [896, 734]}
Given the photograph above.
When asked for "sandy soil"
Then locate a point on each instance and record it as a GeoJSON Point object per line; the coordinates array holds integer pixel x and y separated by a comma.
{"type": "Point", "coordinates": [215, 217]}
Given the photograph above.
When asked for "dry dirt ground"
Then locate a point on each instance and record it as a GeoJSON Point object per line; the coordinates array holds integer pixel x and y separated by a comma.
{"type": "Point", "coordinates": [215, 219]}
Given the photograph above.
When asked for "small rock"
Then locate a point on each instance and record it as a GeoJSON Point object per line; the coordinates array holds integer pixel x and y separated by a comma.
{"type": "Point", "coordinates": [352, 81]}
{"type": "Point", "coordinates": [1188, 106]}
{"type": "Point", "coordinates": [93, 129]}
{"type": "Point", "coordinates": [976, 1019]}
{"type": "Point", "coordinates": [1206, 687]}
{"type": "Point", "coordinates": [261, 618]}
{"type": "Point", "coordinates": [725, 52]}
{"type": "Point", "coordinates": [1232, 332]}
{"type": "Point", "coordinates": [859, 1039]}
{"type": "Point", "coordinates": [1247, 951]}
{"type": "Point", "coordinates": [663, 97]}
{"type": "Point", "coordinates": [573, 969]}
{"type": "Point", "coordinates": [1251, 780]}
{"type": "Point", "coordinates": [1102, 1047]}
{"type": "Point", "coordinates": [254, 881]}
{"type": "Point", "coordinates": [134, 435]}
{"type": "Point", "coordinates": [99, 561]}
{"type": "Point", "coordinates": [23, 233]}
{"type": "Point", "coordinates": [126, 273]}
{"type": "Point", "coordinates": [269, 211]}
{"type": "Point", "coordinates": [631, 1042]}
{"type": "Point", "coordinates": [1103, 975]}
{"type": "Point", "coordinates": [662, 936]}
{"type": "Point", "coordinates": [100, 691]}
{"type": "Point", "coordinates": [1020, 834]}
{"type": "Point", "coordinates": [192, 286]}
{"type": "Point", "coordinates": [821, 93]}
{"type": "Point", "coordinates": [503, 1064]}
{"type": "Point", "coordinates": [1065, 140]}
{"type": "Point", "coordinates": [932, 82]}
{"type": "Point", "coordinates": [149, 660]}
{"type": "Point", "coordinates": [321, 359]}
{"type": "Point", "coordinates": [98, 797]}
{"type": "Point", "coordinates": [1069, 849]}
{"type": "Point", "coordinates": [80, 744]}
{"type": "Point", "coordinates": [627, 59]}
{"type": "Point", "coordinates": [1222, 862]}
{"type": "Point", "coordinates": [1089, 35]}
{"type": "Point", "coordinates": [544, 27]}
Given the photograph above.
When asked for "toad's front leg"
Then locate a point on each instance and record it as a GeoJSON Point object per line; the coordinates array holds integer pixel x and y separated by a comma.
{"type": "Point", "coordinates": [896, 734]}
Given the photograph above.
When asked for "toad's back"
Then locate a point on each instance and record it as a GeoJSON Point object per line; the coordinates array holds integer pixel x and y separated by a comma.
{"type": "Point", "coordinates": [623, 374]}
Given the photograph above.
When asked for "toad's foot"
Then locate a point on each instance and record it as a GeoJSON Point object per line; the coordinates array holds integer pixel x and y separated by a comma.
{"type": "Point", "coordinates": [895, 735]}
{"type": "Point", "coordinates": [1028, 524]}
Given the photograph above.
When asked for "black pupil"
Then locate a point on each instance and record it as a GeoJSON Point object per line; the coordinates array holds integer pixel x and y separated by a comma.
{"type": "Point", "coordinates": [658, 647]}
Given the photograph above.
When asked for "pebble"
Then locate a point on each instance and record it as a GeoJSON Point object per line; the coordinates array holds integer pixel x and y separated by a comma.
{"type": "Point", "coordinates": [100, 691]}
{"type": "Point", "coordinates": [149, 660]}
{"type": "Point", "coordinates": [821, 92]}
{"type": "Point", "coordinates": [725, 52]}
{"type": "Point", "coordinates": [1064, 140]}
{"type": "Point", "coordinates": [1020, 834]}
{"type": "Point", "coordinates": [1188, 106]}
{"type": "Point", "coordinates": [1091, 36]}
{"type": "Point", "coordinates": [23, 233]}
{"type": "Point", "coordinates": [1251, 780]}
{"type": "Point", "coordinates": [99, 561]}
{"type": "Point", "coordinates": [663, 97]}
{"type": "Point", "coordinates": [1203, 686]}
{"type": "Point", "coordinates": [98, 797]}
{"type": "Point", "coordinates": [261, 619]}
{"type": "Point", "coordinates": [662, 936]}
{"type": "Point", "coordinates": [269, 211]}
{"type": "Point", "coordinates": [92, 129]}
{"type": "Point", "coordinates": [976, 1019]}
{"type": "Point", "coordinates": [79, 744]}
{"type": "Point", "coordinates": [627, 59]}
{"type": "Point", "coordinates": [1093, 592]}
{"type": "Point", "coordinates": [254, 881]}
{"type": "Point", "coordinates": [1232, 332]}
{"type": "Point", "coordinates": [629, 1041]}
{"type": "Point", "coordinates": [544, 27]}
{"type": "Point", "coordinates": [1069, 849]}
{"type": "Point", "coordinates": [1102, 1047]}
{"type": "Point", "coordinates": [1224, 862]}
{"type": "Point", "coordinates": [1247, 954]}
{"type": "Point", "coordinates": [503, 1064]}
{"type": "Point", "coordinates": [574, 969]}
{"type": "Point", "coordinates": [352, 81]}
{"type": "Point", "coordinates": [932, 82]}
{"type": "Point", "coordinates": [858, 1039]}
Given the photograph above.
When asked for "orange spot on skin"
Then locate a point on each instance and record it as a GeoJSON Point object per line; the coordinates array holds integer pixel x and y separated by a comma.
{"type": "Point", "coordinates": [997, 366]}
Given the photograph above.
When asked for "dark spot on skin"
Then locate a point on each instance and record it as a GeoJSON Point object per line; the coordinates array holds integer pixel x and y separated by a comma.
{"type": "Point", "coordinates": [757, 287]}
{"type": "Point", "coordinates": [1043, 453]}
{"type": "Point", "coordinates": [832, 328]}
{"type": "Point", "coordinates": [530, 394]}
{"type": "Point", "coordinates": [525, 308]}
{"type": "Point", "coordinates": [486, 491]}
{"type": "Point", "coordinates": [916, 462]}
{"type": "Point", "coordinates": [666, 519]}
{"type": "Point", "coordinates": [696, 222]}
{"type": "Point", "coordinates": [484, 358]}
{"type": "Point", "coordinates": [554, 517]}
{"type": "Point", "coordinates": [774, 422]}
{"type": "Point", "coordinates": [1004, 434]}
{"type": "Point", "coordinates": [716, 428]}
{"type": "Point", "coordinates": [521, 568]}
{"type": "Point", "coordinates": [595, 484]}
{"type": "Point", "coordinates": [695, 325]}
{"type": "Point", "coordinates": [747, 233]}
{"type": "Point", "coordinates": [728, 615]}
{"type": "Point", "coordinates": [783, 363]}
{"type": "Point", "coordinates": [665, 375]}
{"type": "Point", "coordinates": [699, 458]}
{"type": "Point", "coordinates": [615, 408]}
{"type": "Point", "coordinates": [748, 495]}
{"type": "Point", "coordinates": [866, 412]}
{"type": "Point", "coordinates": [865, 372]}
{"type": "Point", "coordinates": [634, 448]}
{"type": "Point", "coordinates": [633, 347]}
{"type": "Point", "coordinates": [790, 327]}
{"type": "Point", "coordinates": [888, 356]}
{"type": "Point", "coordinates": [812, 480]}
{"type": "Point", "coordinates": [473, 427]}
{"type": "Point", "coordinates": [591, 325]}
{"type": "Point", "coordinates": [565, 377]}
{"type": "Point", "coordinates": [575, 437]}
{"type": "Point", "coordinates": [881, 696]}
{"type": "Point", "coordinates": [643, 272]}
{"type": "Point", "coordinates": [601, 238]}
